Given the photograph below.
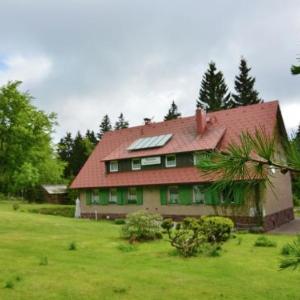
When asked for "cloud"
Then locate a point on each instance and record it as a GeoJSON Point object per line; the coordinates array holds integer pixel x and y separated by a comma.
{"type": "Point", "coordinates": [31, 70]}
{"type": "Point", "coordinates": [83, 59]}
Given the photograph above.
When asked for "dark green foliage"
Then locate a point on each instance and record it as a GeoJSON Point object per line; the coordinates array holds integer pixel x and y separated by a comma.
{"type": "Point", "coordinates": [216, 229]}
{"type": "Point", "coordinates": [291, 251]}
{"type": "Point", "coordinates": [16, 206]}
{"type": "Point", "coordinates": [244, 87]}
{"type": "Point", "coordinates": [211, 250]}
{"type": "Point", "coordinates": [91, 136]}
{"type": "Point", "coordinates": [119, 290]}
{"type": "Point", "coordinates": [104, 126]}
{"type": "Point", "coordinates": [72, 246]}
{"type": "Point", "coordinates": [119, 221]}
{"type": "Point", "coordinates": [44, 261]}
{"type": "Point", "coordinates": [172, 113]}
{"type": "Point", "coordinates": [55, 211]}
{"type": "Point", "coordinates": [213, 93]}
{"type": "Point", "coordinates": [9, 284]}
{"type": "Point", "coordinates": [121, 123]}
{"type": "Point", "coordinates": [127, 247]}
{"type": "Point", "coordinates": [142, 226]}
{"type": "Point", "coordinates": [295, 70]}
{"type": "Point", "coordinates": [263, 241]}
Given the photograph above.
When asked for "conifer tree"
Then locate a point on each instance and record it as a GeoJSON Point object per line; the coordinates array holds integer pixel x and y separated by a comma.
{"type": "Point", "coordinates": [121, 123]}
{"type": "Point", "coordinates": [213, 94]}
{"type": "Point", "coordinates": [244, 87]}
{"type": "Point", "coordinates": [172, 113]}
{"type": "Point", "coordinates": [65, 151]}
{"type": "Point", "coordinates": [90, 134]}
{"type": "Point", "coordinates": [105, 126]}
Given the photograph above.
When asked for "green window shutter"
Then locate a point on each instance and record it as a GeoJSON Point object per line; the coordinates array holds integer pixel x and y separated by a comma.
{"type": "Point", "coordinates": [185, 194]}
{"type": "Point", "coordinates": [212, 197]}
{"type": "Point", "coordinates": [104, 195]}
{"type": "Point", "coordinates": [163, 195]}
{"type": "Point", "coordinates": [239, 193]}
{"type": "Point", "coordinates": [88, 197]}
{"type": "Point", "coordinates": [139, 192]}
{"type": "Point", "coordinates": [120, 200]}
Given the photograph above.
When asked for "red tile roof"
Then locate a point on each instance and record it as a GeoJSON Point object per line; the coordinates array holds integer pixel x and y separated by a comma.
{"type": "Point", "coordinates": [225, 126]}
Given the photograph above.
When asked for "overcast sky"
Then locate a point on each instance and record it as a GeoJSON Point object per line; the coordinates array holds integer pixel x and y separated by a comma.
{"type": "Point", "coordinates": [85, 58]}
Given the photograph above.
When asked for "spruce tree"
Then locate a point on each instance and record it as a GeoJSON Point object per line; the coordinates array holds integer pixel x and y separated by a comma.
{"type": "Point", "coordinates": [173, 112]}
{"type": "Point", "coordinates": [105, 126]}
{"type": "Point", "coordinates": [213, 94]}
{"type": "Point", "coordinates": [90, 135]}
{"type": "Point", "coordinates": [65, 151]}
{"type": "Point", "coordinates": [121, 123]}
{"type": "Point", "coordinates": [244, 87]}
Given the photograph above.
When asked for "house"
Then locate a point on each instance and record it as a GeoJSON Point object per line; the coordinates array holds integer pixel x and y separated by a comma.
{"type": "Point", "coordinates": [55, 193]}
{"type": "Point", "coordinates": [152, 167]}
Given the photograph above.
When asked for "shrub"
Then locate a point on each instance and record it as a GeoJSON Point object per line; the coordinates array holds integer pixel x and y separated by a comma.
{"type": "Point", "coordinates": [263, 241]}
{"type": "Point", "coordinates": [9, 284]}
{"type": "Point", "coordinates": [292, 255]}
{"type": "Point", "coordinates": [119, 221]}
{"type": "Point", "coordinates": [63, 211]}
{"type": "Point", "coordinates": [127, 247]}
{"type": "Point", "coordinates": [142, 226]}
{"type": "Point", "coordinates": [16, 206]}
{"type": "Point", "coordinates": [216, 229]}
{"type": "Point", "coordinates": [211, 250]}
{"type": "Point", "coordinates": [72, 246]}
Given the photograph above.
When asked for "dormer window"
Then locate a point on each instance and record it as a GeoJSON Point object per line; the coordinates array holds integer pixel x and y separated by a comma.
{"type": "Point", "coordinates": [114, 166]}
{"type": "Point", "coordinates": [136, 164]}
{"type": "Point", "coordinates": [171, 161]}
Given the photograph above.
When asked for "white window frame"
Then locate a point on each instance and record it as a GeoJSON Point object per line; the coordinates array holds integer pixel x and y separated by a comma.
{"type": "Point", "coordinates": [169, 194]}
{"type": "Point", "coordinates": [111, 196]}
{"type": "Point", "coordinates": [129, 199]}
{"type": "Point", "coordinates": [172, 165]}
{"type": "Point", "coordinates": [202, 201]}
{"type": "Point", "coordinates": [135, 168]}
{"type": "Point", "coordinates": [95, 197]}
{"type": "Point", "coordinates": [113, 166]}
{"type": "Point", "coordinates": [195, 158]}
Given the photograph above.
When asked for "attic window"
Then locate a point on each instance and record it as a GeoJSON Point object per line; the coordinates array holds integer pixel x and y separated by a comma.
{"type": "Point", "coordinates": [171, 161]}
{"type": "Point", "coordinates": [136, 164]}
{"type": "Point", "coordinates": [113, 166]}
{"type": "Point", "coordinates": [150, 142]}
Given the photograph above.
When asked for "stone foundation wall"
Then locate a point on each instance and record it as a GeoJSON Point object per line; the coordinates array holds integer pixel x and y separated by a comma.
{"type": "Point", "coordinates": [279, 218]}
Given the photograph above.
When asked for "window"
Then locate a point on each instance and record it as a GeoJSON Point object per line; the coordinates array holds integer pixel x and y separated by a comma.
{"type": "Point", "coordinates": [95, 196]}
{"type": "Point", "coordinates": [199, 196]}
{"type": "Point", "coordinates": [132, 195]}
{"type": "Point", "coordinates": [173, 194]}
{"type": "Point", "coordinates": [113, 196]}
{"type": "Point", "coordinates": [171, 161]}
{"type": "Point", "coordinates": [113, 166]}
{"type": "Point", "coordinates": [136, 164]}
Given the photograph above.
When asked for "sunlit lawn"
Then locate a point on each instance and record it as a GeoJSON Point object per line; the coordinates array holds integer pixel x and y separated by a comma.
{"type": "Point", "coordinates": [98, 269]}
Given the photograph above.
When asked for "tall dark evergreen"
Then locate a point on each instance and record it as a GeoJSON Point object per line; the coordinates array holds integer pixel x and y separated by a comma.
{"type": "Point", "coordinates": [90, 134]}
{"type": "Point", "coordinates": [244, 87]}
{"type": "Point", "coordinates": [105, 126]}
{"type": "Point", "coordinates": [64, 151]}
{"type": "Point", "coordinates": [121, 122]}
{"type": "Point", "coordinates": [173, 112]}
{"type": "Point", "coordinates": [213, 94]}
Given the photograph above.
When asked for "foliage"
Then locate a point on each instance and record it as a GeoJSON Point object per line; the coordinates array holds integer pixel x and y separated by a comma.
{"type": "Point", "coordinates": [142, 226]}
{"type": "Point", "coordinates": [291, 251]}
{"type": "Point", "coordinates": [172, 113]}
{"type": "Point", "coordinates": [63, 211]}
{"type": "Point", "coordinates": [16, 206]}
{"type": "Point", "coordinates": [104, 126]}
{"type": "Point", "coordinates": [127, 247]}
{"type": "Point", "coordinates": [216, 229]}
{"type": "Point", "coordinates": [25, 143]}
{"type": "Point", "coordinates": [121, 122]}
{"type": "Point", "coordinates": [9, 284]}
{"type": "Point", "coordinates": [213, 93]}
{"type": "Point", "coordinates": [44, 261]}
{"type": "Point", "coordinates": [263, 241]}
{"type": "Point", "coordinates": [244, 87]}
{"type": "Point", "coordinates": [72, 246]}
{"type": "Point", "coordinates": [295, 70]}
{"type": "Point", "coordinates": [119, 221]}
{"type": "Point", "coordinates": [191, 236]}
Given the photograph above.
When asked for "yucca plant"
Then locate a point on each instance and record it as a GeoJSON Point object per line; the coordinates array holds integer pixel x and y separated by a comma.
{"type": "Point", "coordinates": [292, 255]}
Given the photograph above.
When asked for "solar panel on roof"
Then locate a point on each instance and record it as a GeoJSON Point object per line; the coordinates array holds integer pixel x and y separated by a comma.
{"type": "Point", "coordinates": [150, 142]}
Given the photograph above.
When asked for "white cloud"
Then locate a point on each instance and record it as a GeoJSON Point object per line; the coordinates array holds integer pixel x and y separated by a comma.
{"type": "Point", "coordinates": [290, 112]}
{"type": "Point", "coordinates": [32, 70]}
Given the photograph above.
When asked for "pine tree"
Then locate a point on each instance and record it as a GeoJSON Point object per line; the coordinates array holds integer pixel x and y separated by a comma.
{"type": "Point", "coordinates": [90, 134]}
{"type": "Point", "coordinates": [105, 126]}
{"type": "Point", "coordinates": [173, 112]}
{"type": "Point", "coordinates": [121, 123]}
{"type": "Point", "coordinates": [244, 87]}
{"type": "Point", "coordinates": [65, 151]}
{"type": "Point", "coordinates": [213, 94]}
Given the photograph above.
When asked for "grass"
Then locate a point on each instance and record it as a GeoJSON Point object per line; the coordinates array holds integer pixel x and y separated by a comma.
{"type": "Point", "coordinates": [103, 267]}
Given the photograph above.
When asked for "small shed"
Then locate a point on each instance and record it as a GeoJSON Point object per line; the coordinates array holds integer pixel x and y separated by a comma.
{"type": "Point", "coordinates": [55, 193]}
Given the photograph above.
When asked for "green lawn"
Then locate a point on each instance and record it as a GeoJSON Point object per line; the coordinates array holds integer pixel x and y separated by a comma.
{"type": "Point", "coordinates": [98, 269]}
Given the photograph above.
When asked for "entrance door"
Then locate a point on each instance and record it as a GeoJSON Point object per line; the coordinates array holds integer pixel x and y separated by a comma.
{"type": "Point", "coordinates": [152, 199]}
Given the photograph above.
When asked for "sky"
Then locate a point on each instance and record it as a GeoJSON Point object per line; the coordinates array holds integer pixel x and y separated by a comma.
{"type": "Point", "coordinates": [86, 58]}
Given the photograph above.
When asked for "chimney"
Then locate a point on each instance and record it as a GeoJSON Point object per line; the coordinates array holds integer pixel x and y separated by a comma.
{"type": "Point", "coordinates": [147, 121]}
{"type": "Point", "coordinates": [200, 120]}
